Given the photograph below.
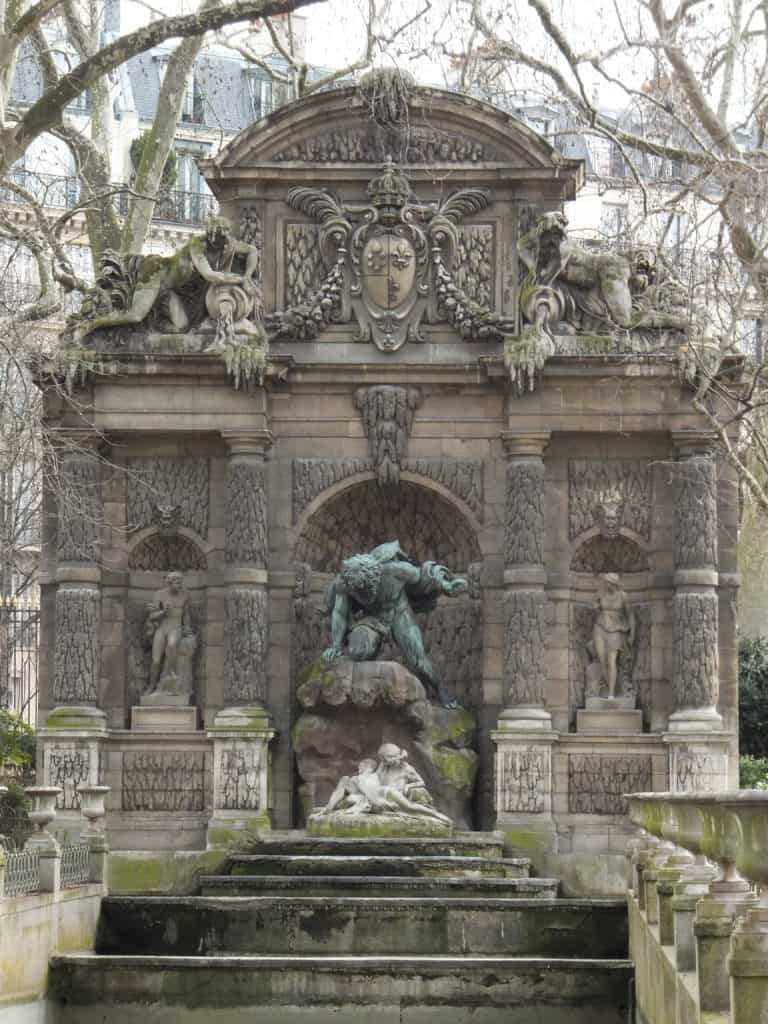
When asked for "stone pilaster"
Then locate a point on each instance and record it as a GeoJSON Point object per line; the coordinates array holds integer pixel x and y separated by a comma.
{"type": "Point", "coordinates": [70, 744]}
{"type": "Point", "coordinates": [242, 731]}
{"type": "Point", "coordinates": [246, 605]}
{"type": "Point", "coordinates": [524, 736]}
{"type": "Point", "coordinates": [698, 750]}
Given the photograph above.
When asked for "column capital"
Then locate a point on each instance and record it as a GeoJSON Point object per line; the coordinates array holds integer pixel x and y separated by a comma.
{"type": "Point", "coordinates": [525, 442]}
{"type": "Point", "coordinates": [251, 442]}
{"type": "Point", "coordinates": [693, 442]}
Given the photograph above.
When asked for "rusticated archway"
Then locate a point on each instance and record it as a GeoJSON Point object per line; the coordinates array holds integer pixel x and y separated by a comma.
{"type": "Point", "coordinates": [362, 516]}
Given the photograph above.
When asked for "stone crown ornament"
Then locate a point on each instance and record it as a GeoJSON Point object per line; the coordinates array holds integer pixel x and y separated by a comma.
{"type": "Point", "coordinates": [390, 189]}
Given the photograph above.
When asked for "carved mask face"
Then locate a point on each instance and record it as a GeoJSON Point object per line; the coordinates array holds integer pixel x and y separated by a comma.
{"type": "Point", "coordinates": [609, 513]}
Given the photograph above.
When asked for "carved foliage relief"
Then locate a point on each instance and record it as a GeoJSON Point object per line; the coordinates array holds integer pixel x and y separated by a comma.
{"type": "Point", "coordinates": [168, 480]}
{"type": "Point", "coordinates": [245, 645]}
{"type": "Point", "coordinates": [524, 525]}
{"type": "Point", "coordinates": [387, 414]}
{"type": "Point", "coordinates": [696, 655]}
{"type": "Point", "coordinates": [592, 481]}
{"type": "Point", "coordinates": [165, 554]}
{"type": "Point", "coordinates": [524, 647]}
{"type": "Point", "coordinates": [76, 653]}
{"type": "Point", "coordinates": [609, 554]}
{"type": "Point", "coordinates": [524, 780]}
{"type": "Point", "coordinates": [246, 522]}
{"type": "Point", "coordinates": [67, 766]}
{"type": "Point", "coordinates": [240, 775]}
{"type": "Point", "coordinates": [699, 771]}
{"type": "Point", "coordinates": [79, 510]}
{"type": "Point", "coordinates": [696, 514]}
{"type": "Point", "coordinates": [304, 270]}
{"type": "Point", "coordinates": [405, 145]}
{"type": "Point", "coordinates": [161, 781]}
{"type": "Point", "coordinates": [597, 782]}
{"type": "Point", "coordinates": [475, 263]}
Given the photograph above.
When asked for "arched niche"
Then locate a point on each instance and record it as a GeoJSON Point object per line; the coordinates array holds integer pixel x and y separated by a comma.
{"type": "Point", "coordinates": [358, 518]}
{"type": "Point", "coordinates": [158, 553]}
{"type": "Point", "coordinates": [600, 554]}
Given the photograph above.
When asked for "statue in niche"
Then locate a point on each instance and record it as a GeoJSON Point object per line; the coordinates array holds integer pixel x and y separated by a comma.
{"type": "Point", "coordinates": [613, 637]}
{"type": "Point", "coordinates": [391, 787]}
{"type": "Point", "coordinates": [169, 293]}
{"type": "Point", "coordinates": [373, 599]}
{"type": "Point", "coordinates": [168, 628]}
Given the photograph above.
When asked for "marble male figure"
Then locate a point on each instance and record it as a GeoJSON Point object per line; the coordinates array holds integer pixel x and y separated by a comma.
{"type": "Point", "coordinates": [373, 599]}
{"type": "Point", "coordinates": [167, 622]}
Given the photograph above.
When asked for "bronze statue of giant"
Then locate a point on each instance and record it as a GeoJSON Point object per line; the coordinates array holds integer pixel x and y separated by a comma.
{"type": "Point", "coordinates": [373, 599]}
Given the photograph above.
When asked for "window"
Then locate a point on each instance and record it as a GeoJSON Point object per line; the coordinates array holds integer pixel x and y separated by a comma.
{"type": "Point", "coordinates": [192, 103]}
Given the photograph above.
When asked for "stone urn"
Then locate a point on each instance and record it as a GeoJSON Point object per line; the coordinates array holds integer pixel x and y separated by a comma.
{"type": "Point", "coordinates": [44, 810]}
{"type": "Point", "coordinates": [92, 805]}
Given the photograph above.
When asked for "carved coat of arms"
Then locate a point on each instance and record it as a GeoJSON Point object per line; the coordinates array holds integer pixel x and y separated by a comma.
{"type": "Point", "coordinates": [388, 263]}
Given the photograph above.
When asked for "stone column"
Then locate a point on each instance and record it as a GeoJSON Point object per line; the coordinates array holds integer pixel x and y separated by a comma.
{"type": "Point", "coordinates": [698, 749]}
{"type": "Point", "coordinates": [243, 729]}
{"type": "Point", "coordinates": [70, 744]}
{"type": "Point", "coordinates": [524, 736]}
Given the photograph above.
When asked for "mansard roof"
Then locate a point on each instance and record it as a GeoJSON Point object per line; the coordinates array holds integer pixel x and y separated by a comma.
{"type": "Point", "coordinates": [334, 129]}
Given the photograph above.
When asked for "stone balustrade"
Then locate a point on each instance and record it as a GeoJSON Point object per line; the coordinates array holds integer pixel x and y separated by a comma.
{"type": "Point", "coordinates": [699, 935]}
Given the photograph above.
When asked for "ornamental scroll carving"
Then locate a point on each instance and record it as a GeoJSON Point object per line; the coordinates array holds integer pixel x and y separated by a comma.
{"type": "Point", "coordinates": [76, 651]}
{"type": "Point", "coordinates": [696, 514]}
{"type": "Point", "coordinates": [462, 477]}
{"type": "Point", "coordinates": [174, 481]}
{"type": "Point", "coordinates": [390, 266]}
{"type": "Point", "coordinates": [246, 516]}
{"type": "Point", "coordinates": [601, 489]}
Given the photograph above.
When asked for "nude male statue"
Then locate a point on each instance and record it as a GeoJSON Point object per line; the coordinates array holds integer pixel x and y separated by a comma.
{"type": "Point", "coordinates": [614, 629]}
{"type": "Point", "coordinates": [166, 623]}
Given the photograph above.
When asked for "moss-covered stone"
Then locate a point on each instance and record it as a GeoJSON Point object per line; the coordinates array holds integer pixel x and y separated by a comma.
{"type": "Point", "coordinates": [163, 871]}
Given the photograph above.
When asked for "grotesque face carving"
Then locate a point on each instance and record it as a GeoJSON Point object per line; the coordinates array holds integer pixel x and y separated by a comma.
{"type": "Point", "coordinates": [609, 513]}
{"type": "Point", "coordinates": [167, 518]}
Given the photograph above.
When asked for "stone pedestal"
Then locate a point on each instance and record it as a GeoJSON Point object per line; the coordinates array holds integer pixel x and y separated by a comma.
{"type": "Point", "coordinates": [242, 800]}
{"type": "Point", "coordinates": [164, 716]}
{"type": "Point", "coordinates": [748, 967]}
{"type": "Point", "coordinates": [69, 755]}
{"type": "Point", "coordinates": [524, 782]}
{"type": "Point", "coordinates": [667, 878]}
{"type": "Point", "coordinates": [716, 914]}
{"type": "Point", "coordinates": [698, 760]}
{"type": "Point", "coordinates": [609, 716]}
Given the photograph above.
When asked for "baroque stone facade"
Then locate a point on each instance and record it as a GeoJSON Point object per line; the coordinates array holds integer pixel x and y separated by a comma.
{"type": "Point", "coordinates": [391, 365]}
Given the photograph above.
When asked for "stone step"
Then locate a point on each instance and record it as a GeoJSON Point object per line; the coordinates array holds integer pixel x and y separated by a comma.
{"type": "Point", "coordinates": [351, 864]}
{"type": "Point", "coordinates": [88, 989]}
{"type": "Point", "coordinates": [489, 845]}
{"type": "Point", "coordinates": [189, 925]}
{"type": "Point", "coordinates": [374, 885]}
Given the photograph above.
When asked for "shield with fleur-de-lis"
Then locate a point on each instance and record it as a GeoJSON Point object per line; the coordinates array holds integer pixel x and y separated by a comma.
{"type": "Point", "coordinates": [388, 270]}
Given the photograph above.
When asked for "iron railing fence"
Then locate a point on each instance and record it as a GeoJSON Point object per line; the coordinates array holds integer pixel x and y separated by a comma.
{"type": "Point", "coordinates": [19, 657]}
{"type": "Point", "coordinates": [22, 872]}
{"type": "Point", "coordinates": [75, 865]}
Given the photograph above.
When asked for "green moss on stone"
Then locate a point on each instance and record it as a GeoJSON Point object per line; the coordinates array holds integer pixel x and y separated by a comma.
{"type": "Point", "coordinates": [166, 871]}
{"type": "Point", "coordinates": [455, 767]}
